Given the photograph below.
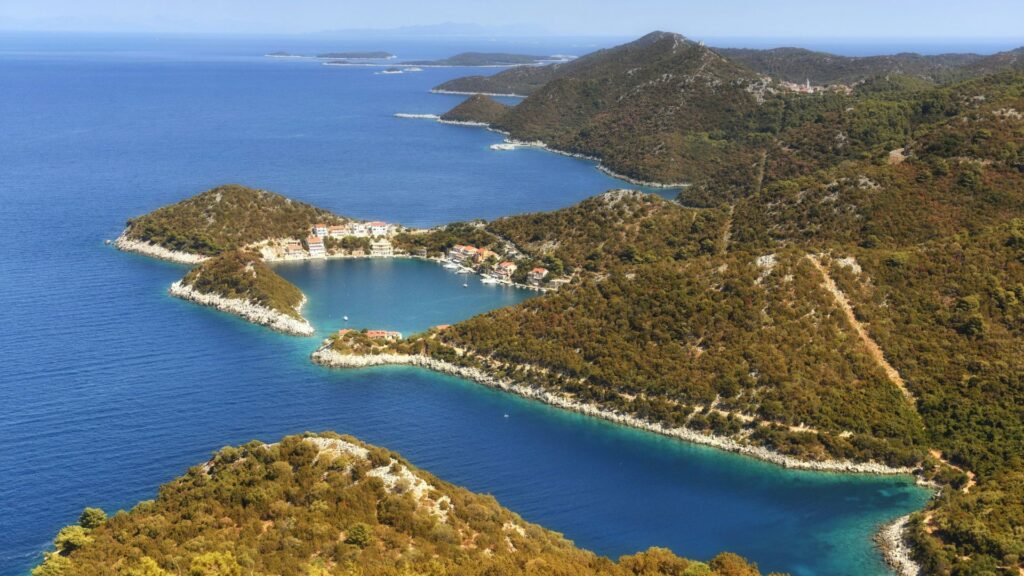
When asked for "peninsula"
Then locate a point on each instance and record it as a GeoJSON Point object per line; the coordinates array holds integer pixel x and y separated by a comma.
{"type": "Point", "coordinates": [487, 59]}
{"type": "Point", "coordinates": [327, 504]}
{"type": "Point", "coordinates": [848, 287]}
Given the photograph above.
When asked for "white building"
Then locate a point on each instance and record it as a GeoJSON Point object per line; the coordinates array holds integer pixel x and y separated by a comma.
{"type": "Point", "coordinates": [537, 275]}
{"type": "Point", "coordinates": [381, 249]}
{"type": "Point", "coordinates": [293, 250]}
{"type": "Point", "coordinates": [320, 230]}
{"type": "Point", "coordinates": [337, 231]}
{"type": "Point", "coordinates": [379, 228]}
{"type": "Point", "coordinates": [358, 229]}
{"type": "Point", "coordinates": [316, 247]}
{"type": "Point", "coordinates": [505, 270]}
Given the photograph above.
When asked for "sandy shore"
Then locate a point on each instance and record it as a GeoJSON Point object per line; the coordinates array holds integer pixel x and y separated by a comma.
{"type": "Point", "coordinates": [250, 311]}
{"type": "Point", "coordinates": [326, 356]}
{"type": "Point", "coordinates": [145, 248]}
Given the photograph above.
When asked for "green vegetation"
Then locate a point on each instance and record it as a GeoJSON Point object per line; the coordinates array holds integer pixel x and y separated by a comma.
{"type": "Point", "coordinates": [244, 275]}
{"type": "Point", "coordinates": [328, 505]}
{"type": "Point", "coordinates": [909, 189]}
{"type": "Point", "coordinates": [476, 108]}
{"type": "Point", "coordinates": [227, 218]}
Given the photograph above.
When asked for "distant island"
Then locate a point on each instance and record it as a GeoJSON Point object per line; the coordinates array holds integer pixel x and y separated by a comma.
{"type": "Point", "coordinates": [328, 504]}
{"type": "Point", "coordinates": [470, 59]}
{"type": "Point", "coordinates": [372, 55]}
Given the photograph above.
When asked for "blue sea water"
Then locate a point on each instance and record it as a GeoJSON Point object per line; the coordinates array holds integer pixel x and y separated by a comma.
{"type": "Point", "coordinates": [109, 387]}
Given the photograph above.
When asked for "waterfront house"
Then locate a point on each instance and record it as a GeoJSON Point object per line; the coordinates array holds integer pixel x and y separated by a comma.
{"type": "Point", "coordinates": [505, 270]}
{"type": "Point", "coordinates": [460, 252]}
{"type": "Point", "coordinates": [381, 248]}
{"type": "Point", "coordinates": [388, 335]}
{"type": "Point", "coordinates": [316, 247]}
{"type": "Point", "coordinates": [337, 231]}
{"type": "Point", "coordinates": [293, 250]}
{"type": "Point", "coordinates": [379, 228]}
{"type": "Point", "coordinates": [320, 230]}
{"type": "Point", "coordinates": [537, 275]}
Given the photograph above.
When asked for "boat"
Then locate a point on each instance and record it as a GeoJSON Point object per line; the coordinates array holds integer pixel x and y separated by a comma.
{"type": "Point", "coordinates": [451, 266]}
{"type": "Point", "coordinates": [345, 318]}
{"type": "Point", "coordinates": [488, 280]}
{"type": "Point", "coordinates": [465, 285]}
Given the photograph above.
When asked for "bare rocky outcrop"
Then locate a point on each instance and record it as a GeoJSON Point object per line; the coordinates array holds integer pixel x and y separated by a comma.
{"type": "Point", "coordinates": [127, 244]}
{"type": "Point", "coordinates": [250, 311]}
{"type": "Point", "coordinates": [896, 550]}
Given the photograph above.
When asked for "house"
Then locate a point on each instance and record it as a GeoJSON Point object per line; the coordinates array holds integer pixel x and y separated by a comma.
{"type": "Point", "coordinates": [358, 229]}
{"type": "Point", "coordinates": [316, 247]}
{"type": "Point", "coordinates": [537, 275]}
{"type": "Point", "coordinates": [320, 230]}
{"type": "Point", "coordinates": [388, 335]}
{"type": "Point", "coordinates": [459, 252]}
{"type": "Point", "coordinates": [483, 254]}
{"type": "Point", "coordinates": [379, 228]}
{"type": "Point", "coordinates": [442, 327]}
{"type": "Point", "coordinates": [344, 331]}
{"type": "Point", "coordinates": [293, 250]}
{"type": "Point", "coordinates": [381, 248]}
{"type": "Point", "coordinates": [505, 270]}
{"type": "Point", "coordinates": [337, 231]}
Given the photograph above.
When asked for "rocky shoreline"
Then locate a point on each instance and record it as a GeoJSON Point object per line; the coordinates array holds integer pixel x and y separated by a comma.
{"type": "Point", "coordinates": [325, 356]}
{"type": "Point", "coordinates": [466, 93]}
{"type": "Point", "coordinates": [126, 244]}
{"type": "Point", "coordinates": [896, 550]}
{"type": "Point", "coordinates": [250, 311]}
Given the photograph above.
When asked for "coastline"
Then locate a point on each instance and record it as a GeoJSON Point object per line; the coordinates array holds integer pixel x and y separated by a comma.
{"type": "Point", "coordinates": [125, 244]}
{"type": "Point", "coordinates": [540, 144]}
{"type": "Point", "coordinates": [247, 310]}
{"type": "Point", "coordinates": [329, 358]}
{"type": "Point", "coordinates": [895, 549]}
{"type": "Point", "coordinates": [466, 93]}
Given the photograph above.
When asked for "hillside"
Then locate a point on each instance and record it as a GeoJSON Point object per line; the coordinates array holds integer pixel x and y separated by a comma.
{"type": "Point", "coordinates": [226, 218]}
{"type": "Point", "coordinates": [799, 65]}
{"type": "Point", "coordinates": [476, 108]}
{"type": "Point", "coordinates": [331, 505]}
{"type": "Point", "coordinates": [243, 275]}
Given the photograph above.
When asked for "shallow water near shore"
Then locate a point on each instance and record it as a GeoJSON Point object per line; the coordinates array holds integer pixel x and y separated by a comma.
{"type": "Point", "coordinates": [110, 387]}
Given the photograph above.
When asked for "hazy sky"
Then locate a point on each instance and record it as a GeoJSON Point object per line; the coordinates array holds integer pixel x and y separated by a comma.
{"type": "Point", "coordinates": [696, 18]}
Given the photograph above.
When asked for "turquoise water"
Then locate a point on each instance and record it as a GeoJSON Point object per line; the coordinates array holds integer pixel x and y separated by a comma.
{"type": "Point", "coordinates": [109, 387]}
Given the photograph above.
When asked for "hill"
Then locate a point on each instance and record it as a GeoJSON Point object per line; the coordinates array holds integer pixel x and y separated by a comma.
{"type": "Point", "coordinates": [476, 108]}
{"type": "Point", "coordinates": [331, 505]}
{"type": "Point", "coordinates": [226, 218]}
{"type": "Point", "coordinates": [241, 283]}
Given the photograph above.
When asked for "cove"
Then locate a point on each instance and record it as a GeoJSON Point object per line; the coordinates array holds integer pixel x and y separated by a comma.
{"type": "Point", "coordinates": [110, 387]}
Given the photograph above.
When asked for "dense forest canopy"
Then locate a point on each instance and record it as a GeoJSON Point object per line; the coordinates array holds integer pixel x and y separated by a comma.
{"type": "Point", "coordinates": [330, 505]}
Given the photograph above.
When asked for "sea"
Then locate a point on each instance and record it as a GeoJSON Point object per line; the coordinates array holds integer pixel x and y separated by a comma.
{"type": "Point", "coordinates": [110, 387]}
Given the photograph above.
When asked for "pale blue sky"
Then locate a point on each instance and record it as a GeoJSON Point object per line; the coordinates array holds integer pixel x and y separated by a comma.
{"type": "Point", "coordinates": [697, 18]}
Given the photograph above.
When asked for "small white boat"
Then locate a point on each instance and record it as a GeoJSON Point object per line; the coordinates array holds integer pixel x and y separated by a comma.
{"type": "Point", "coordinates": [345, 318]}
{"type": "Point", "coordinates": [464, 285]}
{"type": "Point", "coordinates": [488, 280]}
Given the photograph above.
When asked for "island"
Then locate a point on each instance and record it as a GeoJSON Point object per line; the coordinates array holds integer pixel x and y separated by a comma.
{"type": "Point", "coordinates": [855, 294]}
{"type": "Point", "coordinates": [356, 55]}
{"type": "Point", "coordinates": [487, 59]}
{"type": "Point", "coordinates": [328, 504]}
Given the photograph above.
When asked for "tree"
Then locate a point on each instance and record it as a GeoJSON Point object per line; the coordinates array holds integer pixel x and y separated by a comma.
{"type": "Point", "coordinates": [359, 535]}
{"type": "Point", "coordinates": [71, 538]}
{"type": "Point", "coordinates": [91, 518]}
{"type": "Point", "coordinates": [146, 567]}
{"type": "Point", "coordinates": [215, 564]}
